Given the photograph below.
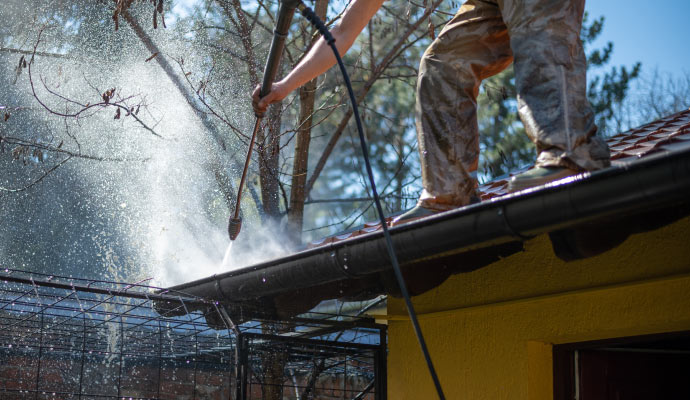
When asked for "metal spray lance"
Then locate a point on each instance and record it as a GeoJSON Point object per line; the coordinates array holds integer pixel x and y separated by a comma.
{"type": "Point", "coordinates": [286, 11]}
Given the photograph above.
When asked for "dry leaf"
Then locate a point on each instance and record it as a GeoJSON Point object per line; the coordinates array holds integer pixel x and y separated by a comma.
{"type": "Point", "coordinates": [108, 95]}
{"type": "Point", "coordinates": [37, 154]}
{"type": "Point", "coordinates": [18, 152]}
{"type": "Point", "coordinates": [19, 69]}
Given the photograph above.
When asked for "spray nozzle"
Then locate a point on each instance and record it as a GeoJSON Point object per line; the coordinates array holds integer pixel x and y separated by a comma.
{"type": "Point", "coordinates": [234, 226]}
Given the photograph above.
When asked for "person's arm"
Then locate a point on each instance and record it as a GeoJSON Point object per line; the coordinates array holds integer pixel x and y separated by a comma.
{"type": "Point", "coordinates": [320, 58]}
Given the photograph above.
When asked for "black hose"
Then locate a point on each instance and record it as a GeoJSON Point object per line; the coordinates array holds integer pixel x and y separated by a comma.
{"type": "Point", "coordinates": [309, 14]}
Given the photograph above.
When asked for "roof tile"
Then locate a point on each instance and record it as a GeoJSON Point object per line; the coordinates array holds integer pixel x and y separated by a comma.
{"type": "Point", "coordinates": [671, 133]}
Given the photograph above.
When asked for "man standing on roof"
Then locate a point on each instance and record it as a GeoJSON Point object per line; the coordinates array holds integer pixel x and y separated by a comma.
{"type": "Point", "coordinates": [541, 38]}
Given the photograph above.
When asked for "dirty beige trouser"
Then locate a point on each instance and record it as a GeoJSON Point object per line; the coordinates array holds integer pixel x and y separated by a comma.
{"type": "Point", "coordinates": [542, 38]}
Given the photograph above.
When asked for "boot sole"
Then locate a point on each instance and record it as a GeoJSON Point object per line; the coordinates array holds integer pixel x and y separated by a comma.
{"type": "Point", "coordinates": [517, 185]}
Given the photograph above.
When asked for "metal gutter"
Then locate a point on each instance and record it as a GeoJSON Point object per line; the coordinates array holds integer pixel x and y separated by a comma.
{"type": "Point", "coordinates": [658, 180]}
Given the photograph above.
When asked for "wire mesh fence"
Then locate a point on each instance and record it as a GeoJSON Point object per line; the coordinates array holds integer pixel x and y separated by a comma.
{"type": "Point", "coordinates": [289, 368]}
{"type": "Point", "coordinates": [96, 339]}
{"type": "Point", "coordinates": [69, 338]}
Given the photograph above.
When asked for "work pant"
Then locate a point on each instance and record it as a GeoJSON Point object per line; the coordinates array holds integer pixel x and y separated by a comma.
{"type": "Point", "coordinates": [542, 39]}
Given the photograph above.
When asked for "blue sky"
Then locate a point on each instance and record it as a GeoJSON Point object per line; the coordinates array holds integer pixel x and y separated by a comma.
{"type": "Point", "coordinates": [657, 33]}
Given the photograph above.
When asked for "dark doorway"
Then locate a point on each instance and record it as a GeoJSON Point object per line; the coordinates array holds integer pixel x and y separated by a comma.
{"type": "Point", "coordinates": [648, 367]}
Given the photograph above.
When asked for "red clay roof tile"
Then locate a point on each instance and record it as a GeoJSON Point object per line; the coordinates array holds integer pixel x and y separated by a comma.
{"type": "Point", "coordinates": [671, 133]}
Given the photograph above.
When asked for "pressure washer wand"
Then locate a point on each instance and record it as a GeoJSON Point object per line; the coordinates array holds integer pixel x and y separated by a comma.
{"type": "Point", "coordinates": [286, 12]}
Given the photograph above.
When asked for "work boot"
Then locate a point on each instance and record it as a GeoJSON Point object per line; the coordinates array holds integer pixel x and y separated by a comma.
{"type": "Point", "coordinates": [419, 212]}
{"type": "Point", "coordinates": [416, 213]}
{"type": "Point", "coordinates": [537, 177]}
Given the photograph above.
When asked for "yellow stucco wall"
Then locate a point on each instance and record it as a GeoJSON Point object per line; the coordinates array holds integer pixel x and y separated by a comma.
{"type": "Point", "coordinates": [490, 331]}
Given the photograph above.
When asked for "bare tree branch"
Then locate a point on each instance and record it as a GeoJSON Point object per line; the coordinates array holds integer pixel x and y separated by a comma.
{"type": "Point", "coordinates": [208, 124]}
{"type": "Point", "coordinates": [394, 52]}
{"type": "Point", "coordinates": [86, 107]}
{"type": "Point", "coordinates": [42, 177]}
{"type": "Point", "coordinates": [71, 154]}
{"type": "Point", "coordinates": [38, 53]}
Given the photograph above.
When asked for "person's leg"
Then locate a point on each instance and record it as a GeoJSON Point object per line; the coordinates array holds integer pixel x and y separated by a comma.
{"type": "Point", "coordinates": [550, 75]}
{"type": "Point", "coordinates": [474, 45]}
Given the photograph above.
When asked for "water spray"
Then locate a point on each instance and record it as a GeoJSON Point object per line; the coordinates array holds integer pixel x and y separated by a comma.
{"type": "Point", "coordinates": [286, 12]}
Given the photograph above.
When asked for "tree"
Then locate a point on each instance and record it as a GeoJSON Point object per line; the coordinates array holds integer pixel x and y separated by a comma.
{"type": "Point", "coordinates": [608, 90]}
{"type": "Point", "coordinates": [656, 95]}
{"type": "Point", "coordinates": [136, 103]}
{"type": "Point", "coordinates": [295, 139]}
{"type": "Point", "coordinates": [189, 84]}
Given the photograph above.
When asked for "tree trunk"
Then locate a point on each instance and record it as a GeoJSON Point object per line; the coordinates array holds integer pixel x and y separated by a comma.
{"type": "Point", "coordinates": [400, 179]}
{"type": "Point", "coordinates": [307, 97]}
{"type": "Point", "coordinates": [269, 162]}
{"type": "Point", "coordinates": [274, 373]}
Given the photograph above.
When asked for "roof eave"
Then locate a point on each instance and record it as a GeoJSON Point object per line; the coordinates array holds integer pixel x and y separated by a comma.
{"type": "Point", "coordinates": [659, 180]}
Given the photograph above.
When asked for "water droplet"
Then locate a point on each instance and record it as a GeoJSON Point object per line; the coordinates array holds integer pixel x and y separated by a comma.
{"type": "Point", "coordinates": [263, 280]}
{"type": "Point", "coordinates": [187, 361]}
{"type": "Point", "coordinates": [345, 266]}
{"type": "Point", "coordinates": [332, 254]}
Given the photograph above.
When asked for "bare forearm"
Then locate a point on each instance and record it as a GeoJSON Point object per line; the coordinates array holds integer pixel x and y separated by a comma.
{"type": "Point", "coordinates": [320, 58]}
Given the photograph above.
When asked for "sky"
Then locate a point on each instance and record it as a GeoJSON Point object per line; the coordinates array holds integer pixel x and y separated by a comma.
{"type": "Point", "coordinates": [656, 33]}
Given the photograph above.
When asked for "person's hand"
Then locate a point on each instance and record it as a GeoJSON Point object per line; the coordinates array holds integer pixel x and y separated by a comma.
{"type": "Point", "coordinates": [276, 94]}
